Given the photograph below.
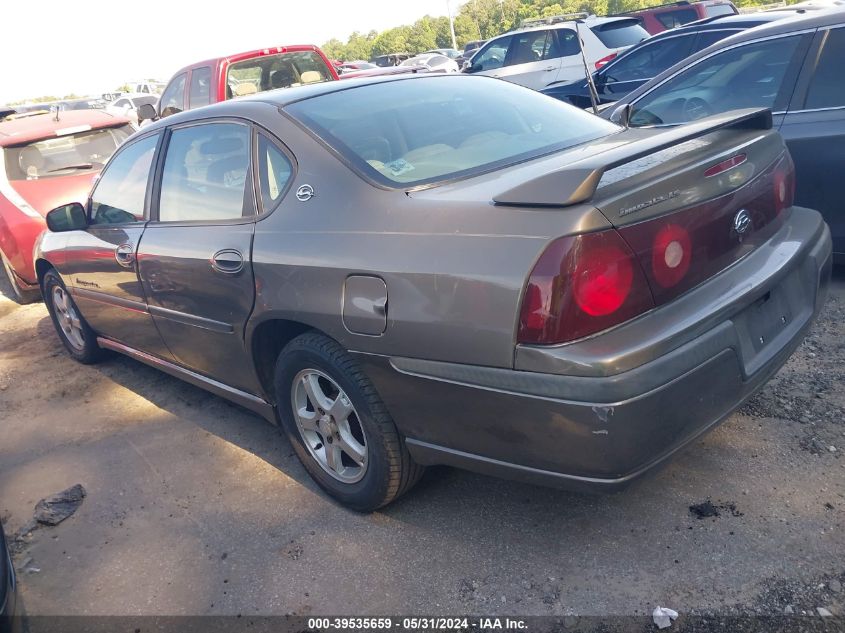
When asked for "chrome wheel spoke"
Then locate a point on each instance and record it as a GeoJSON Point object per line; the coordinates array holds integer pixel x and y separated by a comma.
{"type": "Point", "coordinates": [311, 382]}
{"type": "Point", "coordinates": [340, 408]}
{"type": "Point", "coordinates": [307, 419]}
{"type": "Point", "coordinates": [349, 445]}
{"type": "Point", "coordinates": [333, 459]}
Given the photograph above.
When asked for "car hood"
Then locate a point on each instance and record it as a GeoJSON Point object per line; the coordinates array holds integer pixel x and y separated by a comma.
{"type": "Point", "coordinates": [49, 193]}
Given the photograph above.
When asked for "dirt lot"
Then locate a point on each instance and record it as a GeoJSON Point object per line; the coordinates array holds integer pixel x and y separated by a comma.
{"type": "Point", "coordinates": [195, 506]}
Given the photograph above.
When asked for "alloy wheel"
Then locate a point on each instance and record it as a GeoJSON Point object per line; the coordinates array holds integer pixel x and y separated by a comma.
{"type": "Point", "coordinates": [329, 426]}
{"type": "Point", "coordinates": [67, 318]}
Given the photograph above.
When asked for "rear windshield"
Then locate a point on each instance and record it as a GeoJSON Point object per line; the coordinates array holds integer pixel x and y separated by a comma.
{"type": "Point", "coordinates": [620, 33]}
{"type": "Point", "coordinates": [63, 155]}
{"type": "Point", "coordinates": [418, 131]}
{"type": "Point", "coordinates": [269, 72]}
{"type": "Point", "coordinates": [719, 9]}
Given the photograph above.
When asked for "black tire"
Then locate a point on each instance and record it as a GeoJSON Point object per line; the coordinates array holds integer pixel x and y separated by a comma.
{"type": "Point", "coordinates": [390, 471]}
{"type": "Point", "coordinates": [88, 352]}
{"type": "Point", "coordinates": [19, 294]}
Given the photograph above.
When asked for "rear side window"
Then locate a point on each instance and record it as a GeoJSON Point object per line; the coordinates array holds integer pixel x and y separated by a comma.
{"type": "Point", "coordinates": [827, 89]}
{"type": "Point", "coordinates": [205, 173]}
{"type": "Point", "coordinates": [274, 172]}
{"type": "Point", "coordinates": [200, 94]}
{"type": "Point", "coordinates": [749, 76]}
{"type": "Point", "coordinates": [417, 131]}
{"type": "Point", "coordinates": [676, 17]}
{"type": "Point", "coordinates": [620, 33]}
{"type": "Point", "coordinates": [706, 38]}
{"type": "Point", "coordinates": [526, 48]}
{"type": "Point", "coordinates": [122, 187]}
{"type": "Point", "coordinates": [173, 99]}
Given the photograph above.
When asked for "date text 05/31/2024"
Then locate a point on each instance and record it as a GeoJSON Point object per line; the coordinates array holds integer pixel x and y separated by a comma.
{"type": "Point", "coordinates": [417, 624]}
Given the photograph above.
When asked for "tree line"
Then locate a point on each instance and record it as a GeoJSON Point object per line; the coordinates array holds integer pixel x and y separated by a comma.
{"type": "Point", "coordinates": [476, 20]}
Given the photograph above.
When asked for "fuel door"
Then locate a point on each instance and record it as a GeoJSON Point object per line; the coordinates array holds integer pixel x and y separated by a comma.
{"type": "Point", "coordinates": [365, 305]}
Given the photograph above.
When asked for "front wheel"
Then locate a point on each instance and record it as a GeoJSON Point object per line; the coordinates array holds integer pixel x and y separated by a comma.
{"type": "Point", "coordinates": [338, 425]}
{"type": "Point", "coordinates": [77, 336]}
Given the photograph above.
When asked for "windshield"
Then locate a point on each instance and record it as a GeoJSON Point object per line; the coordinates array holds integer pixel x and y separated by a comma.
{"type": "Point", "coordinates": [63, 155]}
{"type": "Point", "coordinates": [418, 131]}
{"type": "Point", "coordinates": [620, 33]}
{"type": "Point", "coordinates": [270, 72]}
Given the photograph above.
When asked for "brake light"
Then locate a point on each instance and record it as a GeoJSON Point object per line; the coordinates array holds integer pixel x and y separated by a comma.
{"type": "Point", "coordinates": [725, 165]}
{"type": "Point", "coordinates": [604, 60]}
{"type": "Point", "coordinates": [582, 285]}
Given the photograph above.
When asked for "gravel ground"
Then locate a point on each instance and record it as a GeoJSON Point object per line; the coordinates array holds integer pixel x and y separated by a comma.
{"type": "Point", "coordinates": [195, 506]}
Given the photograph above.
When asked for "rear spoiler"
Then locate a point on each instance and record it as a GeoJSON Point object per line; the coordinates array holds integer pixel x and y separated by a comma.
{"type": "Point", "coordinates": [577, 182]}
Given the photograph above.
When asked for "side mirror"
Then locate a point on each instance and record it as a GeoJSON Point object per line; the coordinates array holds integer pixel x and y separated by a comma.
{"type": "Point", "coordinates": [622, 115]}
{"type": "Point", "coordinates": [147, 112]}
{"type": "Point", "coordinates": [70, 217]}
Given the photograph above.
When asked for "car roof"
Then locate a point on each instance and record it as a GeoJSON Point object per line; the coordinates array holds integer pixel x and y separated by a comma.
{"type": "Point", "coordinates": [590, 20]}
{"type": "Point", "coordinates": [236, 57]}
{"type": "Point", "coordinates": [43, 126]}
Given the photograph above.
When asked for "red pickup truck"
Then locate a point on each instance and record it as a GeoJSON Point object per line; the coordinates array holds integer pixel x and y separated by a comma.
{"type": "Point", "coordinates": [222, 78]}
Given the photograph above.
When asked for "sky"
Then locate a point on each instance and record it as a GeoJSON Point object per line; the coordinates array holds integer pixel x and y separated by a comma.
{"type": "Point", "coordinates": [53, 47]}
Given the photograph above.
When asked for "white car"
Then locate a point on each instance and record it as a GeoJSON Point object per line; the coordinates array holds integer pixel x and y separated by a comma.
{"type": "Point", "coordinates": [435, 63]}
{"type": "Point", "coordinates": [546, 51]}
{"type": "Point", "coordinates": [127, 105]}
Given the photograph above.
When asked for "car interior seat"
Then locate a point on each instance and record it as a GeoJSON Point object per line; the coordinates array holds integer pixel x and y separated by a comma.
{"type": "Point", "coordinates": [310, 77]}
{"type": "Point", "coordinates": [31, 162]}
{"type": "Point", "coordinates": [283, 77]}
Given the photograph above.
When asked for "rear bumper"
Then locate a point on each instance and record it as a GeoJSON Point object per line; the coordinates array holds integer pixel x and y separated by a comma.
{"type": "Point", "coordinates": [598, 413]}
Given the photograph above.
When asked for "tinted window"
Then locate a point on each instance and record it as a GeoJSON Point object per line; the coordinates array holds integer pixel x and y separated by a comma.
{"type": "Point", "coordinates": [205, 173]}
{"type": "Point", "coordinates": [749, 76]}
{"type": "Point", "coordinates": [529, 47]}
{"type": "Point", "coordinates": [566, 44]}
{"type": "Point", "coordinates": [200, 94]}
{"type": "Point", "coordinates": [274, 172]}
{"type": "Point", "coordinates": [677, 17]}
{"type": "Point", "coordinates": [435, 128]}
{"type": "Point", "coordinates": [827, 89]}
{"type": "Point", "coordinates": [620, 33]}
{"type": "Point", "coordinates": [122, 187]}
{"type": "Point", "coordinates": [719, 9]}
{"type": "Point", "coordinates": [491, 56]}
{"type": "Point", "coordinates": [706, 38]}
{"type": "Point", "coordinates": [173, 99]}
{"type": "Point", "coordinates": [648, 60]}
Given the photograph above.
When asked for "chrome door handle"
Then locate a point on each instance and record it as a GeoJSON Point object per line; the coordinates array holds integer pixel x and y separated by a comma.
{"type": "Point", "coordinates": [125, 255]}
{"type": "Point", "coordinates": [228, 261]}
{"type": "Point", "coordinates": [549, 69]}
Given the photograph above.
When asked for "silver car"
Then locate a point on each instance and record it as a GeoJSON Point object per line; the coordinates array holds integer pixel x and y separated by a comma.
{"type": "Point", "coordinates": [446, 270]}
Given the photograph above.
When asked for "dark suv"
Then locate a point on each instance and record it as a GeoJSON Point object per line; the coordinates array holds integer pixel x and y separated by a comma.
{"type": "Point", "coordinates": [648, 59]}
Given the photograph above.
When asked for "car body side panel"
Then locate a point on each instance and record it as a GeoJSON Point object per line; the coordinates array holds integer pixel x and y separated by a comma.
{"type": "Point", "coordinates": [454, 267]}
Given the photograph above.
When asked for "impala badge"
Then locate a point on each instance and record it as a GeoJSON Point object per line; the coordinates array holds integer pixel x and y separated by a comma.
{"type": "Point", "coordinates": [742, 223]}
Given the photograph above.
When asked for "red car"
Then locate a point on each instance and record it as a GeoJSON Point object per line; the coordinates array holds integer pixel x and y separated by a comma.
{"type": "Point", "coordinates": [669, 16]}
{"type": "Point", "coordinates": [47, 162]}
{"type": "Point", "coordinates": [222, 78]}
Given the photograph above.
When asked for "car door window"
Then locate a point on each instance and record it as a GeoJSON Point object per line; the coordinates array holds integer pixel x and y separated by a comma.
{"type": "Point", "coordinates": [200, 93]}
{"type": "Point", "coordinates": [173, 99]}
{"type": "Point", "coordinates": [706, 38]}
{"type": "Point", "coordinates": [205, 173]}
{"type": "Point", "coordinates": [120, 192]}
{"type": "Point", "coordinates": [566, 44]}
{"type": "Point", "coordinates": [274, 172]}
{"type": "Point", "coordinates": [491, 56]}
{"type": "Point", "coordinates": [648, 60]}
{"type": "Point", "coordinates": [529, 47]}
{"type": "Point", "coordinates": [827, 88]}
{"type": "Point", "coordinates": [755, 75]}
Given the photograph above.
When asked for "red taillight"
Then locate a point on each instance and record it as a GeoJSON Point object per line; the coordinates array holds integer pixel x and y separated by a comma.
{"type": "Point", "coordinates": [582, 285]}
{"type": "Point", "coordinates": [604, 60]}
{"type": "Point", "coordinates": [725, 165]}
{"type": "Point", "coordinates": [784, 185]}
